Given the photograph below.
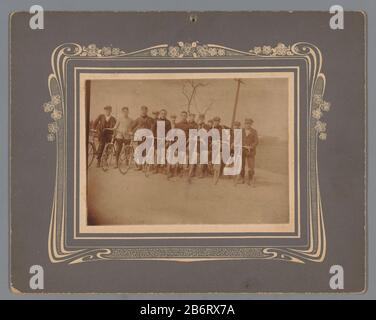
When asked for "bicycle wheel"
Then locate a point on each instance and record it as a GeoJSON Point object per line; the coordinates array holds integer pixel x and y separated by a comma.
{"type": "Point", "coordinates": [90, 154]}
{"type": "Point", "coordinates": [107, 157]}
{"type": "Point", "coordinates": [125, 159]}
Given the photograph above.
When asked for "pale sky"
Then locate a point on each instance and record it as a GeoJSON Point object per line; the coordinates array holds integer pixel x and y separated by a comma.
{"type": "Point", "coordinates": [265, 100]}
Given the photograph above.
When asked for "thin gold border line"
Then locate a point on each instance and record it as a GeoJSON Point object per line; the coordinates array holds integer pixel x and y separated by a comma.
{"type": "Point", "coordinates": [212, 75]}
{"type": "Point", "coordinates": [178, 68]}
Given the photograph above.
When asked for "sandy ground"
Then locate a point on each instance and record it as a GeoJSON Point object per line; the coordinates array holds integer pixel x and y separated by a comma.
{"type": "Point", "coordinates": [116, 199]}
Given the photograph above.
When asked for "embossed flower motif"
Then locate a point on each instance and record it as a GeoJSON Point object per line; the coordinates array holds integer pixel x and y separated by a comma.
{"type": "Point", "coordinates": [92, 54]}
{"type": "Point", "coordinates": [106, 51]}
{"type": "Point", "coordinates": [92, 50]}
{"type": "Point", "coordinates": [173, 52]}
{"type": "Point", "coordinates": [320, 126]}
{"type": "Point", "coordinates": [280, 49]}
{"type": "Point", "coordinates": [55, 99]}
{"type": "Point", "coordinates": [56, 115]}
{"type": "Point", "coordinates": [317, 99]}
{"type": "Point", "coordinates": [48, 107]}
{"type": "Point", "coordinates": [202, 51]}
{"type": "Point", "coordinates": [53, 127]}
{"type": "Point", "coordinates": [194, 44]}
{"type": "Point", "coordinates": [267, 50]}
{"type": "Point", "coordinates": [181, 44]}
{"type": "Point", "coordinates": [162, 52]}
{"type": "Point", "coordinates": [213, 51]}
{"type": "Point", "coordinates": [221, 52]}
{"type": "Point", "coordinates": [257, 50]}
{"type": "Point", "coordinates": [323, 135]}
{"type": "Point", "coordinates": [50, 137]}
{"type": "Point", "coordinates": [325, 106]}
{"type": "Point", "coordinates": [116, 51]}
{"type": "Point", "coordinates": [187, 49]}
{"type": "Point", "coordinates": [92, 46]}
{"type": "Point", "coordinates": [317, 113]}
{"type": "Point", "coordinates": [154, 52]}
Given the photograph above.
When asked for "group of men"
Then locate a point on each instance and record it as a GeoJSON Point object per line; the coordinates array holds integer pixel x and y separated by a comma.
{"type": "Point", "coordinates": [106, 125]}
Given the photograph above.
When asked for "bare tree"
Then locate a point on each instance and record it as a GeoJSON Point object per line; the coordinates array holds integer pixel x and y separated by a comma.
{"type": "Point", "coordinates": [205, 108]}
{"type": "Point", "coordinates": [189, 91]}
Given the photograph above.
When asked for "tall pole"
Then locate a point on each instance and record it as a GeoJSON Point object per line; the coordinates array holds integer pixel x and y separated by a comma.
{"type": "Point", "coordinates": [236, 102]}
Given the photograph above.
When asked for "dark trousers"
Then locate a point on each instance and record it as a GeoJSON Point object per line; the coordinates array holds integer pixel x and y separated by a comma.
{"type": "Point", "coordinates": [103, 139]}
{"type": "Point", "coordinates": [249, 159]}
{"type": "Point", "coordinates": [119, 143]}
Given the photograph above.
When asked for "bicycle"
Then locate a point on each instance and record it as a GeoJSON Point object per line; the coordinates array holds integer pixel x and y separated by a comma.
{"type": "Point", "coordinates": [109, 154]}
{"type": "Point", "coordinates": [126, 159]}
{"type": "Point", "coordinates": [91, 148]}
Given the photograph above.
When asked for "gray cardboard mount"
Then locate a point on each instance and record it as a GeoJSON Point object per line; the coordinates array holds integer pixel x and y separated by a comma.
{"type": "Point", "coordinates": [341, 157]}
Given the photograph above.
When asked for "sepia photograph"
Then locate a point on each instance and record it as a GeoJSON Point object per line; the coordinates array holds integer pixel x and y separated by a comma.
{"type": "Point", "coordinates": [126, 194]}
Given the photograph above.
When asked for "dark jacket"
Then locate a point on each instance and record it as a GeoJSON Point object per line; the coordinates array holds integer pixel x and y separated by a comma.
{"type": "Point", "coordinates": [183, 125]}
{"type": "Point", "coordinates": [145, 122]}
{"type": "Point", "coordinates": [101, 123]}
{"type": "Point", "coordinates": [250, 141]}
{"type": "Point", "coordinates": [167, 126]}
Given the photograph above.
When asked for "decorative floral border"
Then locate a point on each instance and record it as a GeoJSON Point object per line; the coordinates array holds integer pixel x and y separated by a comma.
{"type": "Point", "coordinates": [317, 129]}
{"type": "Point", "coordinates": [187, 50]}
{"type": "Point", "coordinates": [52, 108]}
{"type": "Point", "coordinates": [319, 107]}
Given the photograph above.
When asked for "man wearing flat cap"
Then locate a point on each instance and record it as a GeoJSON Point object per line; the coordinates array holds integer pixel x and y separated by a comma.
{"type": "Point", "coordinates": [202, 146]}
{"type": "Point", "coordinates": [217, 168]}
{"type": "Point", "coordinates": [183, 123]}
{"type": "Point", "coordinates": [155, 114]}
{"type": "Point", "coordinates": [143, 121]}
{"type": "Point", "coordinates": [237, 125]}
{"type": "Point", "coordinates": [192, 121]}
{"type": "Point", "coordinates": [249, 143]}
{"type": "Point", "coordinates": [173, 120]}
{"type": "Point", "coordinates": [103, 125]}
{"type": "Point", "coordinates": [123, 133]}
{"type": "Point", "coordinates": [162, 118]}
{"type": "Point", "coordinates": [217, 123]}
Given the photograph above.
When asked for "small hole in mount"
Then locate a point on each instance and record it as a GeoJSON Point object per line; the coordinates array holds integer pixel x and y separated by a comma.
{"type": "Point", "coordinates": [193, 18]}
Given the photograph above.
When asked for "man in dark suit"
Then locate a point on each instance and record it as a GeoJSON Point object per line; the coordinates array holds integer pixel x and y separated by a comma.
{"type": "Point", "coordinates": [202, 146]}
{"type": "Point", "coordinates": [192, 121]}
{"type": "Point", "coordinates": [101, 125]}
{"type": "Point", "coordinates": [249, 142]}
{"type": "Point", "coordinates": [142, 122]}
{"type": "Point", "coordinates": [162, 117]}
{"type": "Point", "coordinates": [183, 123]}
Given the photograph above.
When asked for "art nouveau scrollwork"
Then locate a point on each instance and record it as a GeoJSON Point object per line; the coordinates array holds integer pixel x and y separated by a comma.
{"type": "Point", "coordinates": [317, 130]}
